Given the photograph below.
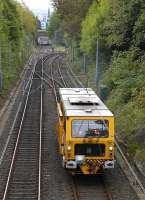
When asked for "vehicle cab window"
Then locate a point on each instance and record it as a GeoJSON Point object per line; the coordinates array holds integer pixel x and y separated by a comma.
{"type": "Point", "coordinates": [90, 128]}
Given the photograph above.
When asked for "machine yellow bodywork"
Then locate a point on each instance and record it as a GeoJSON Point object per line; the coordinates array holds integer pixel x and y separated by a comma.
{"type": "Point", "coordinates": [90, 165]}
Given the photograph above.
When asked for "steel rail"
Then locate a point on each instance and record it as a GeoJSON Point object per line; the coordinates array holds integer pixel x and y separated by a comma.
{"type": "Point", "coordinates": [71, 77]}
{"type": "Point", "coordinates": [65, 83]}
{"type": "Point", "coordinates": [28, 87]}
{"type": "Point", "coordinates": [57, 56]}
{"type": "Point", "coordinates": [75, 189]}
{"type": "Point", "coordinates": [52, 78]}
{"type": "Point", "coordinates": [33, 71]}
{"type": "Point", "coordinates": [40, 132]}
{"type": "Point", "coordinates": [75, 77]}
{"type": "Point", "coordinates": [31, 77]}
{"type": "Point", "coordinates": [109, 196]}
{"type": "Point", "coordinates": [44, 80]}
{"type": "Point", "coordinates": [58, 65]}
{"type": "Point", "coordinates": [49, 77]}
{"type": "Point", "coordinates": [19, 132]}
{"type": "Point", "coordinates": [59, 83]}
{"type": "Point", "coordinates": [74, 184]}
{"type": "Point", "coordinates": [77, 192]}
{"type": "Point", "coordinates": [17, 141]}
{"type": "Point", "coordinates": [16, 116]}
{"type": "Point", "coordinates": [53, 83]}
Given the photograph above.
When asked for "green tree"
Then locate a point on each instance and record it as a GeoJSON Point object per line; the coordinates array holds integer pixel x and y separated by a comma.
{"type": "Point", "coordinates": [14, 34]}
{"type": "Point", "coordinates": [54, 24]}
{"type": "Point", "coordinates": [92, 26]}
{"type": "Point", "coordinates": [72, 14]}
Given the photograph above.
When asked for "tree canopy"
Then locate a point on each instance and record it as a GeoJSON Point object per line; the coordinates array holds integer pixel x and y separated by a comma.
{"type": "Point", "coordinates": [72, 14]}
{"type": "Point", "coordinates": [119, 25]}
{"type": "Point", "coordinates": [17, 26]}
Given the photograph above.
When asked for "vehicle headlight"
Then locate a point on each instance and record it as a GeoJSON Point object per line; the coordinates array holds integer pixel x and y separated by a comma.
{"type": "Point", "coordinates": [110, 148]}
{"type": "Point", "coordinates": [69, 148]}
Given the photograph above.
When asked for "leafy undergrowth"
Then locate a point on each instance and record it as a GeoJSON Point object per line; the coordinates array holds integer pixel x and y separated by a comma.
{"type": "Point", "coordinates": [119, 28]}
{"type": "Point", "coordinates": [126, 87]}
{"type": "Point", "coordinates": [126, 84]}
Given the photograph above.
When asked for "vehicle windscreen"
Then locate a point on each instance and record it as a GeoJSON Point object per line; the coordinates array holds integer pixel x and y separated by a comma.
{"type": "Point", "coordinates": [90, 128]}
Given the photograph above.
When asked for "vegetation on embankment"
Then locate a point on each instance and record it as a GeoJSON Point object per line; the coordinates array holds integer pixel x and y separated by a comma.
{"type": "Point", "coordinates": [119, 26]}
{"type": "Point", "coordinates": [17, 28]}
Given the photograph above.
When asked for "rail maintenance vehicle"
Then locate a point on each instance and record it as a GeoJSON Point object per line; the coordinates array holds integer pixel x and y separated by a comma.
{"type": "Point", "coordinates": [85, 131]}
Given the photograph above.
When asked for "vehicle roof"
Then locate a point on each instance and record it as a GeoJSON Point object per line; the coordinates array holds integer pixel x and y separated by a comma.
{"type": "Point", "coordinates": [82, 102]}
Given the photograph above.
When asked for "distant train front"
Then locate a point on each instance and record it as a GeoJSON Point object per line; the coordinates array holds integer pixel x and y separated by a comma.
{"type": "Point", "coordinates": [85, 131]}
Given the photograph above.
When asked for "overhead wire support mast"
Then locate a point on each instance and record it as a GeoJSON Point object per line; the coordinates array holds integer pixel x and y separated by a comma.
{"type": "Point", "coordinates": [97, 64]}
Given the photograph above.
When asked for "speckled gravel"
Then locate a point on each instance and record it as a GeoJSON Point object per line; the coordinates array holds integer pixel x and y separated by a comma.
{"type": "Point", "coordinates": [118, 184]}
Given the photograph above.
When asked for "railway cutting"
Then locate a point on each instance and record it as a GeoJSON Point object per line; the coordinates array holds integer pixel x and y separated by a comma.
{"type": "Point", "coordinates": [33, 167]}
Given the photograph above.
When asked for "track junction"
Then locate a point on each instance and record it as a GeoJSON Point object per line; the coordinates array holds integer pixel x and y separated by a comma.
{"type": "Point", "coordinates": [31, 166]}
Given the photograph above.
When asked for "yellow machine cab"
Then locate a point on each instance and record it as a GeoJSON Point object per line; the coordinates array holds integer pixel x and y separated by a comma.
{"type": "Point", "coordinates": [85, 131]}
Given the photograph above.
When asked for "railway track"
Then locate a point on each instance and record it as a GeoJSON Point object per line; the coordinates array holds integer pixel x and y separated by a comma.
{"type": "Point", "coordinates": [82, 188]}
{"type": "Point", "coordinates": [36, 171]}
{"type": "Point", "coordinates": [130, 173]}
{"type": "Point", "coordinates": [23, 181]}
{"type": "Point", "coordinates": [134, 181]}
{"type": "Point", "coordinates": [90, 188]}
